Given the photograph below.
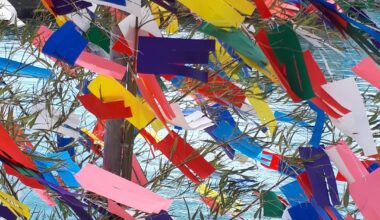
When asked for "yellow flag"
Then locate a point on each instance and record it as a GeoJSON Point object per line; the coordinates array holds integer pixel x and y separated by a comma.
{"type": "Point", "coordinates": [172, 27]}
{"type": "Point", "coordinates": [15, 206]}
{"type": "Point", "coordinates": [263, 110]}
{"type": "Point", "coordinates": [216, 12]}
{"type": "Point", "coordinates": [108, 89]}
{"type": "Point", "coordinates": [93, 136]}
{"type": "Point", "coordinates": [60, 19]}
{"type": "Point", "coordinates": [155, 12]}
{"type": "Point", "coordinates": [157, 125]}
{"type": "Point", "coordinates": [171, 19]}
{"type": "Point", "coordinates": [204, 190]}
{"type": "Point", "coordinates": [243, 6]}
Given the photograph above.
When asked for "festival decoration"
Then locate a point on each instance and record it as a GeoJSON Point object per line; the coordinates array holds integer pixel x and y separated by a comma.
{"type": "Point", "coordinates": [368, 70]}
{"type": "Point", "coordinates": [67, 6]}
{"type": "Point", "coordinates": [355, 123]}
{"type": "Point", "coordinates": [321, 176]}
{"type": "Point", "coordinates": [188, 160]}
{"type": "Point", "coordinates": [351, 27]}
{"type": "Point", "coordinates": [120, 190]}
{"type": "Point", "coordinates": [226, 13]}
{"type": "Point", "coordinates": [173, 52]}
{"type": "Point", "coordinates": [14, 67]}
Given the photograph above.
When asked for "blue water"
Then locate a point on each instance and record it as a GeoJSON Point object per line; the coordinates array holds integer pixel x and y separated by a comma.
{"type": "Point", "coordinates": [339, 65]}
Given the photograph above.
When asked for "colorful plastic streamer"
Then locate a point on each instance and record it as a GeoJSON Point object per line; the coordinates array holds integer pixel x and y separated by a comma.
{"type": "Point", "coordinates": [183, 156]}
{"type": "Point", "coordinates": [110, 110]}
{"type": "Point", "coordinates": [65, 44]}
{"type": "Point", "coordinates": [288, 51]}
{"type": "Point", "coordinates": [273, 207]}
{"type": "Point", "coordinates": [173, 53]}
{"type": "Point", "coordinates": [15, 206]}
{"type": "Point", "coordinates": [362, 184]}
{"type": "Point", "coordinates": [353, 28]}
{"type": "Point", "coordinates": [120, 190]}
{"type": "Point", "coordinates": [14, 67]}
{"type": "Point", "coordinates": [368, 70]}
{"type": "Point", "coordinates": [355, 124]}
{"type": "Point", "coordinates": [237, 140]}
{"type": "Point", "coordinates": [322, 100]}
{"type": "Point", "coordinates": [216, 12]}
{"type": "Point", "coordinates": [294, 193]}
{"type": "Point", "coordinates": [62, 7]}
{"type": "Point", "coordinates": [315, 139]}
{"type": "Point", "coordinates": [247, 50]}
{"type": "Point", "coordinates": [321, 176]}
{"type": "Point", "coordinates": [63, 165]}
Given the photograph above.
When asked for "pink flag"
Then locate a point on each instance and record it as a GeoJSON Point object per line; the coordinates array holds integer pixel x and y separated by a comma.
{"type": "Point", "coordinates": [111, 186]}
{"type": "Point", "coordinates": [366, 192]}
{"type": "Point", "coordinates": [346, 162]}
{"type": "Point", "coordinates": [44, 196]}
{"type": "Point", "coordinates": [363, 186]}
{"type": "Point", "coordinates": [368, 70]}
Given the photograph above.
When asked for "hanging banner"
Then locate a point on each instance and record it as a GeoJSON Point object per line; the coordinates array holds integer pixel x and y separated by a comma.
{"type": "Point", "coordinates": [62, 7]}
{"type": "Point", "coordinates": [354, 124]}
{"type": "Point", "coordinates": [182, 155]}
{"type": "Point", "coordinates": [289, 53]}
{"type": "Point", "coordinates": [216, 12]}
{"type": "Point", "coordinates": [130, 6]}
{"type": "Point", "coordinates": [120, 190]}
{"type": "Point", "coordinates": [103, 111]}
{"type": "Point", "coordinates": [321, 176]}
{"type": "Point", "coordinates": [23, 69]}
{"type": "Point", "coordinates": [173, 53]}
{"type": "Point", "coordinates": [15, 206]}
{"type": "Point", "coordinates": [369, 71]}
{"type": "Point", "coordinates": [362, 184]}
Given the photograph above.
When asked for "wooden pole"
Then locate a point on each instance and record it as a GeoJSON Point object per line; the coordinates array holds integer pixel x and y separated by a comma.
{"type": "Point", "coordinates": [114, 134]}
{"type": "Point", "coordinates": [130, 131]}
{"type": "Point", "coordinates": [120, 134]}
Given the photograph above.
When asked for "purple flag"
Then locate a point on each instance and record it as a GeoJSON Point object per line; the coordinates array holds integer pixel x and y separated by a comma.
{"type": "Point", "coordinates": [62, 7]}
{"type": "Point", "coordinates": [321, 175]}
{"type": "Point", "coordinates": [6, 213]}
{"type": "Point", "coordinates": [169, 56]}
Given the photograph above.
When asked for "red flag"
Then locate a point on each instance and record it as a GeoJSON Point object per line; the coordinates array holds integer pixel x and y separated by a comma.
{"type": "Point", "coordinates": [110, 110]}
{"type": "Point", "coordinates": [182, 155]}
{"type": "Point", "coordinates": [304, 181]}
{"type": "Point", "coordinates": [263, 9]}
{"type": "Point", "coordinates": [10, 152]}
{"type": "Point", "coordinates": [218, 90]}
{"type": "Point", "coordinates": [121, 46]}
